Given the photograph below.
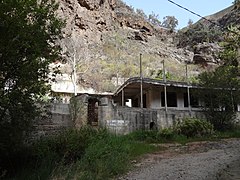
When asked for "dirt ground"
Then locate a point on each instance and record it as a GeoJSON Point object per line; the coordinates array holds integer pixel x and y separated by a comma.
{"type": "Point", "coordinates": [219, 160]}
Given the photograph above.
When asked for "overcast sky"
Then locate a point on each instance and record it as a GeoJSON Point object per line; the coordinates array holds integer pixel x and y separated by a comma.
{"type": "Point", "coordinates": [165, 8]}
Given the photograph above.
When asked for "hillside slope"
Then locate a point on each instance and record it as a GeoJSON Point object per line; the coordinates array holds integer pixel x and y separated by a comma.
{"type": "Point", "coordinates": [204, 36]}
{"type": "Point", "coordinates": [106, 38]}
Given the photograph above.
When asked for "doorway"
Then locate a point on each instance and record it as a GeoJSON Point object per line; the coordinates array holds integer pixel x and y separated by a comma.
{"type": "Point", "coordinates": [93, 112]}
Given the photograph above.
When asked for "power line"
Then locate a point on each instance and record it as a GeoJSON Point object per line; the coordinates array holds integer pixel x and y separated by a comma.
{"type": "Point", "coordinates": [212, 22]}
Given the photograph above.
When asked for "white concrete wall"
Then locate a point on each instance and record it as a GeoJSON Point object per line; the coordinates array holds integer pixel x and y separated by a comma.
{"type": "Point", "coordinates": [155, 98]}
{"type": "Point", "coordinates": [180, 99]}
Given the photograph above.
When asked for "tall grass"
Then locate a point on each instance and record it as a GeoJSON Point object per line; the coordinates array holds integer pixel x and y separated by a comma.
{"type": "Point", "coordinates": [80, 154]}
{"type": "Point", "coordinates": [91, 153]}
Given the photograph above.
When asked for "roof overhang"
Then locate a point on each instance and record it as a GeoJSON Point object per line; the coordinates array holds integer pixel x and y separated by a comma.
{"type": "Point", "coordinates": [132, 85]}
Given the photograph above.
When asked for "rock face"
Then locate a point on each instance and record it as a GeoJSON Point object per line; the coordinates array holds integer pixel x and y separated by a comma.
{"type": "Point", "coordinates": [206, 53]}
{"type": "Point", "coordinates": [86, 16]}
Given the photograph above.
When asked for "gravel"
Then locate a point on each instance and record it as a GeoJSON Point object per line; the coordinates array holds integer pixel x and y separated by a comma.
{"type": "Point", "coordinates": [196, 161]}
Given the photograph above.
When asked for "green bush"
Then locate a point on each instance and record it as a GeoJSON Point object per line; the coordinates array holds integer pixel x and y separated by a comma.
{"type": "Point", "coordinates": [69, 146]}
{"type": "Point", "coordinates": [166, 134]}
{"type": "Point", "coordinates": [87, 153]}
{"type": "Point", "coordinates": [193, 127]}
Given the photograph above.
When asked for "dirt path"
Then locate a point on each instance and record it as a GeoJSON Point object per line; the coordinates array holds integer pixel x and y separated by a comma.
{"type": "Point", "coordinates": [196, 161]}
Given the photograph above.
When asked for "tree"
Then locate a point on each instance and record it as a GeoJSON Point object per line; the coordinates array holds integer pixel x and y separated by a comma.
{"type": "Point", "coordinates": [190, 22]}
{"type": "Point", "coordinates": [231, 53]}
{"type": "Point", "coordinates": [28, 31]}
{"type": "Point", "coordinates": [221, 86]}
{"type": "Point", "coordinates": [71, 52]}
{"type": "Point", "coordinates": [141, 13]}
{"type": "Point", "coordinates": [170, 22]}
{"type": "Point", "coordinates": [220, 96]}
{"type": "Point", "coordinates": [75, 54]}
{"type": "Point", "coordinates": [154, 19]}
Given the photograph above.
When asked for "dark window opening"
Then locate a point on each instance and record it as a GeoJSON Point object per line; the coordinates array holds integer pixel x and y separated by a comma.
{"type": "Point", "coordinates": [135, 102]}
{"type": "Point", "coordinates": [171, 99]}
{"type": "Point", "coordinates": [194, 101]}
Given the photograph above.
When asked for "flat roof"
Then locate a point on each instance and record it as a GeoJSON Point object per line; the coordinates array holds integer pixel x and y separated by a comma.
{"type": "Point", "coordinates": [133, 83]}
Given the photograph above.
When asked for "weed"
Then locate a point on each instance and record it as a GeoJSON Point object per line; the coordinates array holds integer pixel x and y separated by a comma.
{"type": "Point", "coordinates": [93, 153]}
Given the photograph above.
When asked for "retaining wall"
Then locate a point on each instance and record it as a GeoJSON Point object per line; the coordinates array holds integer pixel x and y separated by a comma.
{"type": "Point", "coordinates": [55, 119]}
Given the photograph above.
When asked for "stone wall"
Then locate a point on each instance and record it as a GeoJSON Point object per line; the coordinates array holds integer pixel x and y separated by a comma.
{"type": "Point", "coordinates": [55, 119]}
{"type": "Point", "coordinates": [78, 109]}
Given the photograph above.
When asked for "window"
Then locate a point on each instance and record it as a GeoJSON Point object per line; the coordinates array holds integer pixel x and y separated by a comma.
{"type": "Point", "coordinates": [171, 99]}
{"type": "Point", "coordinates": [193, 100]}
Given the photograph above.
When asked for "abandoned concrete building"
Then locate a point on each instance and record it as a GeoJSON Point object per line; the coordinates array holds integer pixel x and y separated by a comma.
{"type": "Point", "coordinates": [141, 104]}
{"type": "Point", "coordinates": [138, 104]}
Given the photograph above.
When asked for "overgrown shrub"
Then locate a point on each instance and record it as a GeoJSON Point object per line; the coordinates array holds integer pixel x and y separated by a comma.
{"type": "Point", "coordinates": [95, 153]}
{"type": "Point", "coordinates": [104, 158]}
{"type": "Point", "coordinates": [193, 127]}
{"type": "Point", "coordinates": [219, 96]}
{"type": "Point", "coordinates": [69, 145]}
{"type": "Point", "coordinates": [110, 156]}
{"type": "Point", "coordinates": [166, 134]}
{"type": "Point", "coordinates": [87, 153]}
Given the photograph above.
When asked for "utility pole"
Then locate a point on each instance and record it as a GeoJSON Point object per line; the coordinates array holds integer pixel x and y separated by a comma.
{"type": "Point", "coordinates": [141, 84]}
{"type": "Point", "coordinates": [123, 99]}
{"type": "Point", "coordinates": [165, 85]}
{"type": "Point", "coordinates": [188, 91]}
{"type": "Point", "coordinates": [74, 78]}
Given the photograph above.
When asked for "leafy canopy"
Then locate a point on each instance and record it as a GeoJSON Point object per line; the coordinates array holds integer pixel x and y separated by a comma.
{"type": "Point", "coordinates": [28, 30]}
{"type": "Point", "coordinates": [170, 22]}
{"type": "Point", "coordinates": [221, 86]}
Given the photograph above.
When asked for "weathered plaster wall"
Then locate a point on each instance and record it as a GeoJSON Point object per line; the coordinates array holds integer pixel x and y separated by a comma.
{"type": "Point", "coordinates": [180, 97]}
{"type": "Point", "coordinates": [155, 98]}
{"type": "Point", "coordinates": [123, 120]}
{"type": "Point", "coordinates": [78, 110]}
